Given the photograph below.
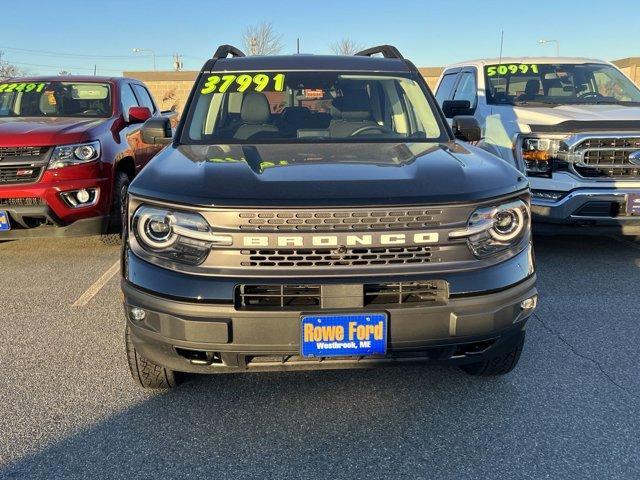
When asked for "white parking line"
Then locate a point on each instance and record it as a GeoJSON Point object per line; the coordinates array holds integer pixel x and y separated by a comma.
{"type": "Point", "coordinates": [91, 292]}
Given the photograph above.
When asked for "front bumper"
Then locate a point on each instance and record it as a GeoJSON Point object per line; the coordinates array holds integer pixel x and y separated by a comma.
{"type": "Point", "coordinates": [193, 336]}
{"type": "Point", "coordinates": [38, 209]}
{"type": "Point", "coordinates": [604, 209]}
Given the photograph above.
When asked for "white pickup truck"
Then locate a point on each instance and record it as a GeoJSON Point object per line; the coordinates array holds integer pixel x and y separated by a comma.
{"type": "Point", "coordinates": [571, 124]}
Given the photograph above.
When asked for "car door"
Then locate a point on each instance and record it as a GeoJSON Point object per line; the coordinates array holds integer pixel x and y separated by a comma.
{"type": "Point", "coordinates": [146, 151]}
{"type": "Point", "coordinates": [131, 131]}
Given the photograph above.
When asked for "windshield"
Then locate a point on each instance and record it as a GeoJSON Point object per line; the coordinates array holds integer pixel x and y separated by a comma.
{"type": "Point", "coordinates": [54, 99]}
{"type": "Point", "coordinates": [268, 107]}
{"type": "Point", "coordinates": [558, 84]}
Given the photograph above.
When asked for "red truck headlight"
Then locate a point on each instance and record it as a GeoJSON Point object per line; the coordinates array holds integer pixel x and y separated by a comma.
{"type": "Point", "coordinates": [68, 155]}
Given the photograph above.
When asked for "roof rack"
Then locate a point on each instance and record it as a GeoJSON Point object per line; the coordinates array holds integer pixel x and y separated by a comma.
{"type": "Point", "coordinates": [223, 51]}
{"type": "Point", "coordinates": [387, 51]}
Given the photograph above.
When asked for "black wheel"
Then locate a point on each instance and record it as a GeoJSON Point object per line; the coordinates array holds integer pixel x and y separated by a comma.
{"type": "Point", "coordinates": [113, 234]}
{"type": "Point", "coordinates": [148, 374]}
{"type": "Point", "coordinates": [498, 365]}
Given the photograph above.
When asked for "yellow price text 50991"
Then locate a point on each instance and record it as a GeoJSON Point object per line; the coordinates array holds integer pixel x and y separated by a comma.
{"type": "Point", "coordinates": [243, 82]}
{"type": "Point", "coordinates": [513, 68]}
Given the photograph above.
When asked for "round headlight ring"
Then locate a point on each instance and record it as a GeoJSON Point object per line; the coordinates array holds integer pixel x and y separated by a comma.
{"type": "Point", "coordinates": [154, 228]}
{"type": "Point", "coordinates": [508, 224]}
{"type": "Point", "coordinates": [85, 152]}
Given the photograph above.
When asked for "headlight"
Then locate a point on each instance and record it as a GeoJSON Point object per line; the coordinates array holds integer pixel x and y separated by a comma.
{"type": "Point", "coordinates": [491, 230]}
{"type": "Point", "coordinates": [185, 237]}
{"type": "Point", "coordinates": [539, 154]}
{"type": "Point", "coordinates": [67, 155]}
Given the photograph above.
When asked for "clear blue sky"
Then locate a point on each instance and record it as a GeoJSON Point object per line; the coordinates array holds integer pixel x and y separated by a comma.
{"type": "Point", "coordinates": [431, 33]}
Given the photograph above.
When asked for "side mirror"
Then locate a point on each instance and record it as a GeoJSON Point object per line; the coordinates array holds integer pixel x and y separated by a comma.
{"type": "Point", "coordinates": [157, 131]}
{"type": "Point", "coordinates": [466, 128]}
{"type": "Point", "coordinates": [451, 108]}
{"type": "Point", "coordinates": [139, 114]}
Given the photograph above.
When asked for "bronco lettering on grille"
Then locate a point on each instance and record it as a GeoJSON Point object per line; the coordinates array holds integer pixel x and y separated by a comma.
{"type": "Point", "coordinates": [418, 238]}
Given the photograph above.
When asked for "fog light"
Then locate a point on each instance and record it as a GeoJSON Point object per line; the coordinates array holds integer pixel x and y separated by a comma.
{"type": "Point", "coordinates": [138, 314]}
{"type": "Point", "coordinates": [530, 303]}
{"type": "Point", "coordinates": [83, 196]}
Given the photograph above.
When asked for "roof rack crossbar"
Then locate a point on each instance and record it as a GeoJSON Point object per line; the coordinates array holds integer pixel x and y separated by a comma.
{"type": "Point", "coordinates": [387, 51]}
{"type": "Point", "coordinates": [224, 51]}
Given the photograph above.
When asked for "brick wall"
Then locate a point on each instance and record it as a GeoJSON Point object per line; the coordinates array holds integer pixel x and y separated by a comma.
{"type": "Point", "coordinates": [171, 89]}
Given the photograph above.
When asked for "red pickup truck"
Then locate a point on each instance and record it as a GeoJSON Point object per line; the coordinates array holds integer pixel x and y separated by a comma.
{"type": "Point", "coordinates": [69, 146]}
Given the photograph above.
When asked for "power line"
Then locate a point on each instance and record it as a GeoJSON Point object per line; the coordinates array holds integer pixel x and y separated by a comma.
{"type": "Point", "coordinates": [80, 55]}
{"type": "Point", "coordinates": [65, 67]}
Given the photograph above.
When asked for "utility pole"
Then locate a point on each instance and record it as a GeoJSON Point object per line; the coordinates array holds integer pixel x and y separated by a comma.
{"type": "Point", "coordinates": [177, 62]}
{"type": "Point", "coordinates": [298, 45]}
{"type": "Point", "coordinates": [95, 69]}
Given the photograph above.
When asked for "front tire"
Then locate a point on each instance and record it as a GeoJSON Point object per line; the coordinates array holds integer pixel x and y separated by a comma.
{"type": "Point", "coordinates": [113, 236]}
{"type": "Point", "coordinates": [145, 373]}
{"type": "Point", "coordinates": [498, 365]}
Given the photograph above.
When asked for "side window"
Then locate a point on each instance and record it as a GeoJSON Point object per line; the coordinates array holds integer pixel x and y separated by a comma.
{"type": "Point", "coordinates": [466, 89]}
{"type": "Point", "coordinates": [446, 86]}
{"type": "Point", "coordinates": [144, 97]}
{"type": "Point", "coordinates": [127, 98]}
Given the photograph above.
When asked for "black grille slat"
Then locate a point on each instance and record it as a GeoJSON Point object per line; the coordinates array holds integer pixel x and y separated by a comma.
{"type": "Point", "coordinates": [343, 220]}
{"type": "Point", "coordinates": [330, 258]}
{"type": "Point", "coordinates": [306, 297]}
{"type": "Point", "coordinates": [21, 152]}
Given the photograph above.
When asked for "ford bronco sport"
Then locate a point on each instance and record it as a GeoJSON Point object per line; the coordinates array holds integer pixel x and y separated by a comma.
{"type": "Point", "coordinates": [572, 124]}
{"type": "Point", "coordinates": [318, 212]}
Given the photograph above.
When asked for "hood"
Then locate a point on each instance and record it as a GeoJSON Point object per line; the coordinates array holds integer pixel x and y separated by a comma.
{"type": "Point", "coordinates": [38, 132]}
{"type": "Point", "coordinates": [325, 174]}
{"type": "Point", "coordinates": [594, 114]}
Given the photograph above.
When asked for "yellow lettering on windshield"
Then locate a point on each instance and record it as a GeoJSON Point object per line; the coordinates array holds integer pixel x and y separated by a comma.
{"type": "Point", "coordinates": [245, 82]}
{"type": "Point", "coordinates": [511, 69]}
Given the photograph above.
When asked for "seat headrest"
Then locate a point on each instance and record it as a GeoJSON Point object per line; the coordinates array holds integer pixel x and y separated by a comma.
{"type": "Point", "coordinates": [532, 87]}
{"type": "Point", "coordinates": [354, 105]}
{"type": "Point", "coordinates": [255, 108]}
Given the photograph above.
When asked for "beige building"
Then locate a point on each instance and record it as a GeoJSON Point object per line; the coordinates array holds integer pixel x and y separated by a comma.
{"type": "Point", "coordinates": [171, 89]}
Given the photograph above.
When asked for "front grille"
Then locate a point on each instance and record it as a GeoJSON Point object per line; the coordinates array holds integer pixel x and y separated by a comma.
{"type": "Point", "coordinates": [19, 174]}
{"type": "Point", "coordinates": [305, 297]}
{"type": "Point", "coordinates": [433, 291]}
{"type": "Point", "coordinates": [21, 152]}
{"type": "Point", "coordinates": [21, 202]}
{"type": "Point", "coordinates": [340, 220]}
{"type": "Point", "coordinates": [607, 157]}
{"type": "Point", "coordinates": [277, 296]}
{"type": "Point", "coordinates": [598, 209]}
{"type": "Point", "coordinates": [326, 257]}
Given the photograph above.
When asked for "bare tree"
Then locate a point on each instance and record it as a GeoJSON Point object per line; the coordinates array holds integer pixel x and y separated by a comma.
{"type": "Point", "coordinates": [64, 72]}
{"type": "Point", "coordinates": [345, 46]}
{"type": "Point", "coordinates": [8, 70]}
{"type": "Point", "coordinates": [262, 39]}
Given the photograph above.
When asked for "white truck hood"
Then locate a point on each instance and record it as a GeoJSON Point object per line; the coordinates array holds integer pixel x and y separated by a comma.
{"type": "Point", "coordinates": [526, 116]}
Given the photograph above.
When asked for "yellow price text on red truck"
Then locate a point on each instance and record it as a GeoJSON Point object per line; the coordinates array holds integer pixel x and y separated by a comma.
{"type": "Point", "coordinates": [21, 87]}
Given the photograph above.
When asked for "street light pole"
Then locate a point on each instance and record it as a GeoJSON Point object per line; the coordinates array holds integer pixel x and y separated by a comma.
{"type": "Point", "coordinates": [153, 54]}
{"type": "Point", "coordinates": [542, 41]}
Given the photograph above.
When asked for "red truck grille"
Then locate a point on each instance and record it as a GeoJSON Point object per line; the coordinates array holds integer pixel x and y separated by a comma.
{"type": "Point", "coordinates": [19, 174]}
{"type": "Point", "coordinates": [21, 152]}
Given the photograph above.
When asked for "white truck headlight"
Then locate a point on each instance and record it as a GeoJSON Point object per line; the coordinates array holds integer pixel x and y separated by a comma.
{"type": "Point", "coordinates": [494, 229]}
{"type": "Point", "coordinates": [538, 154]}
{"type": "Point", "coordinates": [68, 155]}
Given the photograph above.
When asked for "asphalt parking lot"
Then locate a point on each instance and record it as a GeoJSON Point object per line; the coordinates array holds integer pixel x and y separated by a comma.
{"type": "Point", "coordinates": [68, 408]}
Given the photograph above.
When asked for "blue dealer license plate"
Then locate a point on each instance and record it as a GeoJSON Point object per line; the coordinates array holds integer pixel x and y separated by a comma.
{"type": "Point", "coordinates": [4, 221]}
{"type": "Point", "coordinates": [633, 204]}
{"type": "Point", "coordinates": [343, 335]}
